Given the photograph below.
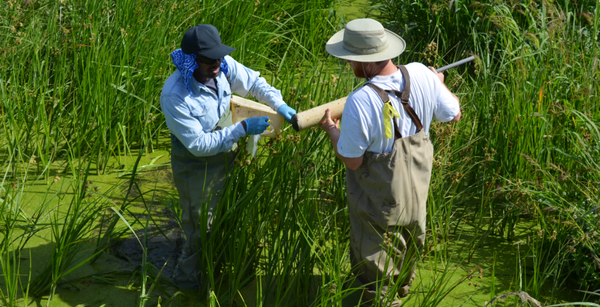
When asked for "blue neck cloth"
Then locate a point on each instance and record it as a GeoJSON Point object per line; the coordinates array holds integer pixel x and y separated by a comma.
{"type": "Point", "coordinates": [186, 64]}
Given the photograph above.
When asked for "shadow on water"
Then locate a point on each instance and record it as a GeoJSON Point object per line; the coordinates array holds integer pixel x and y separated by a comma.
{"type": "Point", "coordinates": [103, 283]}
{"type": "Point", "coordinates": [115, 279]}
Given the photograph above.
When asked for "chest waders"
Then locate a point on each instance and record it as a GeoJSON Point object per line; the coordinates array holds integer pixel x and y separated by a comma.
{"type": "Point", "coordinates": [200, 182]}
{"type": "Point", "coordinates": [387, 198]}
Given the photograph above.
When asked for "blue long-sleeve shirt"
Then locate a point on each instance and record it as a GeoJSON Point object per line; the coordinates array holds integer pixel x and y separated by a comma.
{"type": "Point", "coordinates": [192, 117]}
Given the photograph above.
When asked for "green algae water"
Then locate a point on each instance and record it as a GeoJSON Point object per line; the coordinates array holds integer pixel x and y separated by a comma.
{"type": "Point", "coordinates": [513, 205]}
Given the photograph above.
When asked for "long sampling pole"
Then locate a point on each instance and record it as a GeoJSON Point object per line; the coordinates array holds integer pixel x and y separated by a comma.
{"type": "Point", "coordinates": [457, 63]}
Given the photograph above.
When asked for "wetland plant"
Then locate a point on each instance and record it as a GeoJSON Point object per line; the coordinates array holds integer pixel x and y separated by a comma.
{"type": "Point", "coordinates": [80, 83]}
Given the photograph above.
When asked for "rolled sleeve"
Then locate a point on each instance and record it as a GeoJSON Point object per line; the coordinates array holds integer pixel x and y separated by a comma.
{"type": "Point", "coordinates": [246, 81]}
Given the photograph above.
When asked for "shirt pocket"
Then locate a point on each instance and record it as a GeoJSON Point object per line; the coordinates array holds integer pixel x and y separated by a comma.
{"type": "Point", "coordinates": [198, 113]}
{"type": "Point", "coordinates": [226, 92]}
{"type": "Point", "coordinates": [202, 116]}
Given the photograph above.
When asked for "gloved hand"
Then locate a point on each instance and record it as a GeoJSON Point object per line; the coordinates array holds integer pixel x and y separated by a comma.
{"type": "Point", "coordinates": [287, 112]}
{"type": "Point", "coordinates": [256, 125]}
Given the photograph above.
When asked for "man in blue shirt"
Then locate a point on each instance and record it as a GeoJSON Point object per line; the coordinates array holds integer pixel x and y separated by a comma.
{"type": "Point", "coordinates": [196, 104]}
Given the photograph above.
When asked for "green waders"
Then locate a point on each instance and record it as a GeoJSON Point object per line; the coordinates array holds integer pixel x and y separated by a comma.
{"type": "Point", "coordinates": [387, 198]}
{"type": "Point", "coordinates": [200, 182]}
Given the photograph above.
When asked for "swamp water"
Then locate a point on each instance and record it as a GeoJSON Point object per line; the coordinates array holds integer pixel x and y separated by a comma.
{"type": "Point", "coordinates": [114, 279]}
{"type": "Point", "coordinates": [468, 260]}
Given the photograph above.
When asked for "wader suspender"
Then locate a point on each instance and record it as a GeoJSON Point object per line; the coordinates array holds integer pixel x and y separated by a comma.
{"type": "Point", "coordinates": [403, 95]}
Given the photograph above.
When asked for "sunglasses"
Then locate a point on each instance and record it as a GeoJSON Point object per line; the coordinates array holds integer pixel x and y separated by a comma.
{"type": "Point", "coordinates": [206, 61]}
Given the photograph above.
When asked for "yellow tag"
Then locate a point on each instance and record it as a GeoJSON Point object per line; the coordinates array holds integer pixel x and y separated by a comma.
{"type": "Point", "coordinates": [270, 128]}
{"type": "Point", "coordinates": [388, 113]}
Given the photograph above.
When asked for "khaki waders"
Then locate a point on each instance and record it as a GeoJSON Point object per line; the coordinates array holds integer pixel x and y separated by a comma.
{"type": "Point", "coordinates": [387, 198]}
{"type": "Point", "coordinates": [200, 182]}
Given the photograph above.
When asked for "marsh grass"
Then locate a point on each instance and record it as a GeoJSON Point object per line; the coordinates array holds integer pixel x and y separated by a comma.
{"type": "Point", "coordinates": [80, 84]}
{"type": "Point", "coordinates": [531, 101]}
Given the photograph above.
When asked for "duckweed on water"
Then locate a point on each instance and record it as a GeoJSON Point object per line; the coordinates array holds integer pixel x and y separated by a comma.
{"type": "Point", "coordinates": [514, 199]}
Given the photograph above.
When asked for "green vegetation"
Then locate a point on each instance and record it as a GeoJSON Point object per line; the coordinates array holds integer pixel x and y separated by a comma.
{"type": "Point", "coordinates": [513, 206]}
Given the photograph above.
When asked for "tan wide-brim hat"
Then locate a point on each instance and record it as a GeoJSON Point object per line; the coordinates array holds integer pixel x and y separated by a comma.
{"type": "Point", "coordinates": [365, 40]}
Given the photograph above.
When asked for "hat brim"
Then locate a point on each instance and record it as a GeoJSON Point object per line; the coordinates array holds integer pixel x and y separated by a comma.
{"type": "Point", "coordinates": [217, 53]}
{"type": "Point", "coordinates": [396, 46]}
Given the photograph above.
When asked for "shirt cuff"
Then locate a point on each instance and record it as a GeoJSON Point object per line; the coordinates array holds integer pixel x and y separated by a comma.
{"type": "Point", "coordinates": [238, 131]}
{"type": "Point", "coordinates": [276, 103]}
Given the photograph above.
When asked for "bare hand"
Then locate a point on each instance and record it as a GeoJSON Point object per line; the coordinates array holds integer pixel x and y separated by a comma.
{"type": "Point", "coordinates": [327, 123]}
{"type": "Point", "coordinates": [439, 74]}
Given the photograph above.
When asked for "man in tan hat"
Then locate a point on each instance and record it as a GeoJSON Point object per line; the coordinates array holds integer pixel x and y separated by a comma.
{"type": "Point", "coordinates": [384, 143]}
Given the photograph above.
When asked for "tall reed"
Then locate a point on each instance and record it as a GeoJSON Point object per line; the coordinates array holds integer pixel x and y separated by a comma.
{"type": "Point", "coordinates": [80, 84]}
{"type": "Point", "coordinates": [531, 101]}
